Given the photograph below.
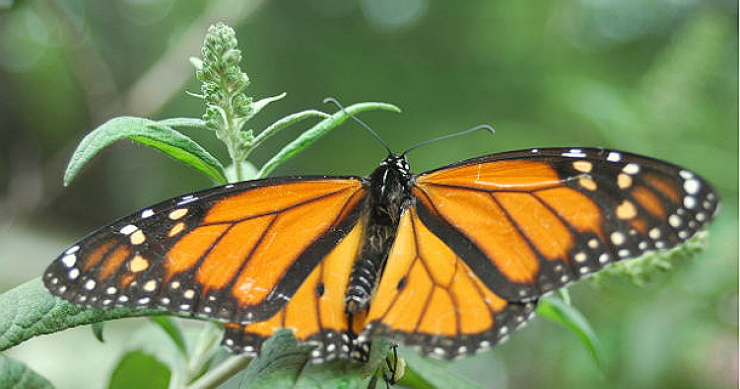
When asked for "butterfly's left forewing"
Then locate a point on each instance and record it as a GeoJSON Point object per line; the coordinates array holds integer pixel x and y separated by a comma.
{"type": "Point", "coordinates": [236, 253]}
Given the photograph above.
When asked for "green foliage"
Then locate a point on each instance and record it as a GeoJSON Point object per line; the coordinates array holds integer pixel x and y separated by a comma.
{"type": "Point", "coordinates": [228, 108]}
{"type": "Point", "coordinates": [569, 317]}
{"type": "Point", "coordinates": [97, 330]}
{"type": "Point", "coordinates": [422, 373]}
{"type": "Point", "coordinates": [310, 136]}
{"type": "Point", "coordinates": [16, 375]}
{"type": "Point", "coordinates": [30, 310]}
{"type": "Point", "coordinates": [640, 270]}
{"type": "Point", "coordinates": [284, 365]}
{"type": "Point", "coordinates": [149, 133]}
{"type": "Point", "coordinates": [173, 331]}
{"type": "Point", "coordinates": [137, 369]}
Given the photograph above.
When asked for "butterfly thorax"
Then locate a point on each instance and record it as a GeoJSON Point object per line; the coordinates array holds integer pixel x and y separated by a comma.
{"type": "Point", "coordinates": [388, 191]}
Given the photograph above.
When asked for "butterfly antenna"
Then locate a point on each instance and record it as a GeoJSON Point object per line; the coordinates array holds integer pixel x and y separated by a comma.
{"type": "Point", "coordinates": [335, 102]}
{"type": "Point", "coordinates": [443, 137]}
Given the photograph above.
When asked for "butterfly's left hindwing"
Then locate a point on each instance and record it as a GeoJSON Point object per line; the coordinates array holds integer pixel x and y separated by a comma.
{"type": "Point", "coordinates": [316, 313]}
{"type": "Point", "coordinates": [236, 253]}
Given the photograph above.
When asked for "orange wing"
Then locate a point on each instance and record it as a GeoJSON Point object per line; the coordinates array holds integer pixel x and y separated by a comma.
{"type": "Point", "coordinates": [236, 253]}
{"type": "Point", "coordinates": [485, 238]}
{"type": "Point", "coordinates": [528, 222]}
{"type": "Point", "coordinates": [316, 313]}
{"type": "Point", "coordinates": [430, 299]}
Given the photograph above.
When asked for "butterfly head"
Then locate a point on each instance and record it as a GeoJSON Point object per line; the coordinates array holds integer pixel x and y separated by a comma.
{"type": "Point", "coordinates": [389, 184]}
{"type": "Point", "coordinates": [398, 162]}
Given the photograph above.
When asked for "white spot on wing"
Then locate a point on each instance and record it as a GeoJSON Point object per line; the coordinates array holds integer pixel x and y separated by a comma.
{"type": "Point", "coordinates": [575, 153]}
{"type": "Point", "coordinates": [617, 238]}
{"type": "Point", "coordinates": [631, 168]}
{"type": "Point", "coordinates": [614, 156]}
{"type": "Point", "coordinates": [187, 199]}
{"type": "Point", "coordinates": [674, 221]}
{"type": "Point", "coordinates": [691, 186]}
{"type": "Point", "coordinates": [69, 260]}
{"type": "Point", "coordinates": [580, 257]}
{"type": "Point", "coordinates": [128, 230]}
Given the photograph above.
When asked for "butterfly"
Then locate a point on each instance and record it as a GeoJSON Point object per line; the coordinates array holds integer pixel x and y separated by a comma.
{"type": "Point", "coordinates": [449, 261]}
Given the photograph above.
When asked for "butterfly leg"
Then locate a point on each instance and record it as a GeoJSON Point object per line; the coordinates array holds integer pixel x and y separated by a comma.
{"type": "Point", "coordinates": [394, 368]}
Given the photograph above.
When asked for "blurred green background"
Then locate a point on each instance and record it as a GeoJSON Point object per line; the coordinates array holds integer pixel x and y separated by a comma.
{"type": "Point", "coordinates": [656, 77]}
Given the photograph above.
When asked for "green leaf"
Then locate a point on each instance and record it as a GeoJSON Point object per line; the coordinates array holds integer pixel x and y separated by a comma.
{"type": "Point", "coordinates": [97, 330]}
{"type": "Point", "coordinates": [640, 270]}
{"type": "Point", "coordinates": [569, 317]}
{"type": "Point", "coordinates": [30, 310]}
{"type": "Point", "coordinates": [423, 373]}
{"type": "Point", "coordinates": [16, 375]}
{"type": "Point", "coordinates": [137, 369]}
{"type": "Point", "coordinates": [564, 295]}
{"type": "Point", "coordinates": [286, 122]}
{"type": "Point", "coordinates": [316, 132]}
{"type": "Point", "coordinates": [258, 105]}
{"type": "Point", "coordinates": [150, 133]}
{"type": "Point", "coordinates": [412, 379]}
{"type": "Point", "coordinates": [173, 331]}
{"type": "Point", "coordinates": [198, 124]}
{"type": "Point", "coordinates": [284, 364]}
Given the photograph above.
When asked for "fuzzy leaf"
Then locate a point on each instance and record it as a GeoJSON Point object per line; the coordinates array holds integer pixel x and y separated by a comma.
{"type": "Point", "coordinates": [284, 364]}
{"type": "Point", "coordinates": [184, 123]}
{"type": "Point", "coordinates": [97, 330]}
{"type": "Point", "coordinates": [30, 310]}
{"type": "Point", "coordinates": [258, 105]}
{"type": "Point", "coordinates": [173, 332]}
{"type": "Point", "coordinates": [316, 132]}
{"type": "Point", "coordinates": [286, 122]}
{"type": "Point", "coordinates": [16, 375]}
{"type": "Point", "coordinates": [150, 133]}
{"type": "Point", "coordinates": [425, 372]}
{"type": "Point", "coordinates": [137, 369]}
{"type": "Point", "coordinates": [569, 317]}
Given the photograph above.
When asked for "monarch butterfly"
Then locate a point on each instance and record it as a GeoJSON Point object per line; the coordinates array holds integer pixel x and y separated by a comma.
{"type": "Point", "coordinates": [449, 261]}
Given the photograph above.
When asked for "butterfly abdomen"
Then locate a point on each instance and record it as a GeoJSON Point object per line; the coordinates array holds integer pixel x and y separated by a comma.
{"type": "Point", "coordinates": [388, 188]}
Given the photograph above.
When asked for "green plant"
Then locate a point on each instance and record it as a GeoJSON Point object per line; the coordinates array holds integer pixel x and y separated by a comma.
{"type": "Point", "coordinates": [199, 362]}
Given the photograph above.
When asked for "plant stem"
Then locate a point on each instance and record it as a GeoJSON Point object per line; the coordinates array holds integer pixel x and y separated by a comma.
{"type": "Point", "coordinates": [227, 369]}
